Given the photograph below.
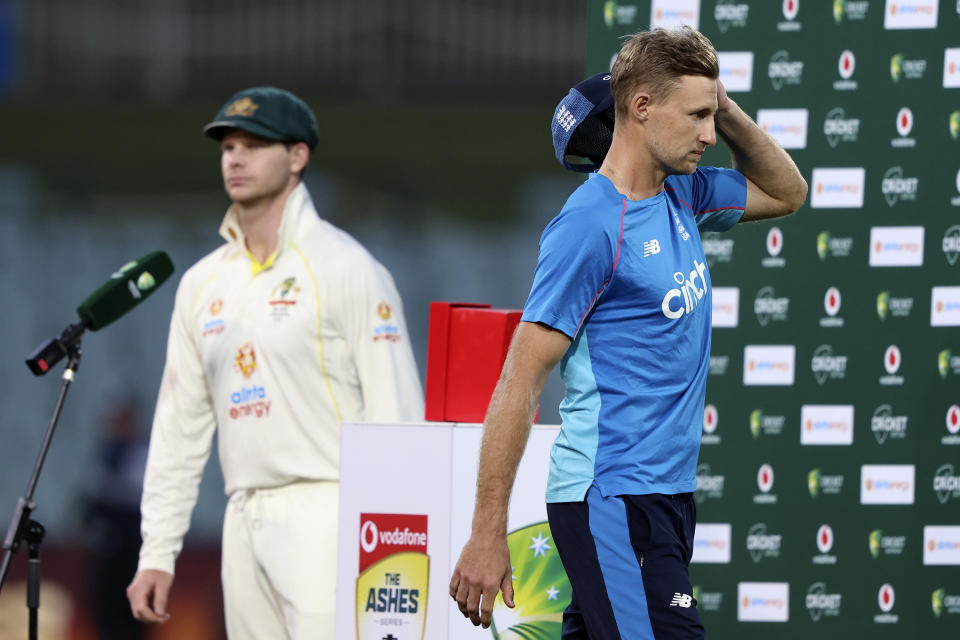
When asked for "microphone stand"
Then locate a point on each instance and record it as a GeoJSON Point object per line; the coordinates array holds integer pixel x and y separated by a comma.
{"type": "Point", "coordinates": [22, 527]}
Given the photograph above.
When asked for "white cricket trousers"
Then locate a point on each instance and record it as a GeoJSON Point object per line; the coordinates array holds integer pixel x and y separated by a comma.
{"type": "Point", "coordinates": [279, 565]}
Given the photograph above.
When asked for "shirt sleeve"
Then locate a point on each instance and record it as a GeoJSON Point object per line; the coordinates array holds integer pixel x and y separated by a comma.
{"type": "Point", "coordinates": [372, 319]}
{"type": "Point", "coordinates": [578, 254]}
{"type": "Point", "coordinates": [718, 196]}
{"type": "Point", "coordinates": [180, 442]}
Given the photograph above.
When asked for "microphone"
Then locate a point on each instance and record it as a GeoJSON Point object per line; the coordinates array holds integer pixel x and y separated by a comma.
{"type": "Point", "coordinates": [126, 288]}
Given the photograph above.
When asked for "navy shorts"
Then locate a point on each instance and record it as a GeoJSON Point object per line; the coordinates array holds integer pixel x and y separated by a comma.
{"type": "Point", "coordinates": [627, 559]}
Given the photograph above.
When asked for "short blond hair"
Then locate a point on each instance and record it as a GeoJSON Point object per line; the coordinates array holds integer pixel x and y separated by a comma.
{"type": "Point", "coordinates": [655, 59]}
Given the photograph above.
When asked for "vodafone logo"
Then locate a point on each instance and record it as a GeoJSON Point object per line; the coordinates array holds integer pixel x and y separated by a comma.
{"type": "Point", "coordinates": [904, 121]}
{"type": "Point", "coordinates": [790, 9]}
{"type": "Point", "coordinates": [953, 419]}
{"type": "Point", "coordinates": [892, 359]}
{"type": "Point", "coordinates": [765, 478]}
{"type": "Point", "coordinates": [886, 598]}
{"type": "Point", "coordinates": [824, 538]}
{"type": "Point", "coordinates": [831, 301]}
{"type": "Point", "coordinates": [710, 419]}
{"type": "Point", "coordinates": [846, 64]}
{"type": "Point", "coordinates": [774, 241]}
{"type": "Point", "coordinates": [368, 536]}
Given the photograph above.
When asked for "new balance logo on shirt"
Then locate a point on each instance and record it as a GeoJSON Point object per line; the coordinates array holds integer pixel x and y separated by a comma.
{"type": "Point", "coordinates": [651, 248]}
{"type": "Point", "coordinates": [681, 600]}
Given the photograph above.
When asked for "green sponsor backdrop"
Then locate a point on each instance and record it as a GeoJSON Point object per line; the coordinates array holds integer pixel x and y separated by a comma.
{"type": "Point", "coordinates": [911, 179]}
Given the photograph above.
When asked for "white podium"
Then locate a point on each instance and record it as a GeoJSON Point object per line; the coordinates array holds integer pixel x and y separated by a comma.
{"type": "Point", "coordinates": [406, 502]}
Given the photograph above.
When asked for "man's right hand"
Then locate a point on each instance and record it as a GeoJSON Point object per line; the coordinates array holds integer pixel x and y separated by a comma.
{"type": "Point", "coordinates": [148, 595]}
{"type": "Point", "coordinates": [482, 570]}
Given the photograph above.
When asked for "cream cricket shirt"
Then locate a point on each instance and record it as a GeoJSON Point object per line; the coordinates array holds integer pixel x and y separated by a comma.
{"type": "Point", "coordinates": [275, 356]}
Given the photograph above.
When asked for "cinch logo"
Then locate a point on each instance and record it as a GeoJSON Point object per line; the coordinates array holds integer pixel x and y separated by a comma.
{"type": "Point", "coordinates": [820, 603]}
{"type": "Point", "coordinates": [769, 308]}
{"type": "Point", "coordinates": [672, 14]}
{"type": "Point", "coordinates": [726, 307]}
{"type": "Point", "coordinates": [951, 68]}
{"type": "Point", "coordinates": [837, 127]}
{"type": "Point", "coordinates": [901, 67]}
{"type": "Point", "coordinates": [946, 483]}
{"type": "Point", "coordinates": [824, 538]}
{"type": "Point", "coordinates": [951, 244]}
{"type": "Point", "coordinates": [837, 188]}
{"type": "Point", "coordinates": [884, 424]}
{"type": "Point", "coordinates": [711, 543]}
{"type": "Point", "coordinates": [826, 366]}
{"type": "Point", "coordinates": [688, 291]}
{"type": "Point", "coordinates": [897, 246]}
{"type": "Point", "coordinates": [383, 534]}
{"type": "Point", "coordinates": [763, 601]}
{"type": "Point", "coordinates": [730, 15]}
{"type": "Point", "coordinates": [941, 545]}
{"type": "Point", "coordinates": [761, 544]}
{"type": "Point", "coordinates": [895, 187]}
{"type": "Point", "coordinates": [786, 126]}
{"type": "Point", "coordinates": [887, 483]}
{"type": "Point", "coordinates": [784, 72]}
{"type": "Point", "coordinates": [736, 70]}
{"type": "Point", "coordinates": [910, 14]}
{"type": "Point", "coordinates": [945, 306]}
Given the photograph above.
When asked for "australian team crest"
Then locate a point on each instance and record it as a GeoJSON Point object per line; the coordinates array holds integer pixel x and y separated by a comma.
{"type": "Point", "coordinates": [243, 107]}
{"type": "Point", "coordinates": [283, 297]}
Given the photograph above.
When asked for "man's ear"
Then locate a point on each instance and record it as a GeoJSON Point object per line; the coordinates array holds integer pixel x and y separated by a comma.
{"type": "Point", "coordinates": [639, 106]}
{"type": "Point", "coordinates": [299, 156]}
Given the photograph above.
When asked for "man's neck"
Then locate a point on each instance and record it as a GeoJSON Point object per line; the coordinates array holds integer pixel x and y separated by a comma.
{"type": "Point", "coordinates": [260, 221]}
{"type": "Point", "coordinates": [631, 169]}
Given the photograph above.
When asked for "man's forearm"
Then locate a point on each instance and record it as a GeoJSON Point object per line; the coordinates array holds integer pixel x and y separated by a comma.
{"type": "Point", "coordinates": [759, 157]}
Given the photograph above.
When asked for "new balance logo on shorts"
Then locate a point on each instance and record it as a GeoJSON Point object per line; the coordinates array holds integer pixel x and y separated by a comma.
{"type": "Point", "coordinates": [651, 248]}
{"type": "Point", "coordinates": [681, 600]}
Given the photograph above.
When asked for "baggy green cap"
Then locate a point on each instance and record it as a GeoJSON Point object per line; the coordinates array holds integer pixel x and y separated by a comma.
{"type": "Point", "coordinates": [268, 112]}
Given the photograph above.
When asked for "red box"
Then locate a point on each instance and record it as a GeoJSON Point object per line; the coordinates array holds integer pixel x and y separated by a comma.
{"type": "Point", "coordinates": [465, 352]}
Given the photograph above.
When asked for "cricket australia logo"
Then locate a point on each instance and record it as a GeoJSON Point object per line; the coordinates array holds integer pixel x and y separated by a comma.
{"type": "Point", "coordinates": [681, 600]}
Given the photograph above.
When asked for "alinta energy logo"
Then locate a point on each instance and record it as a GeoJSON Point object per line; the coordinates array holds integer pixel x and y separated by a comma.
{"type": "Point", "coordinates": [903, 68]}
{"type": "Point", "coordinates": [765, 484]}
{"type": "Point", "coordinates": [820, 602]}
{"type": "Point", "coordinates": [846, 65]}
{"type": "Point", "coordinates": [618, 14]}
{"type": "Point", "coordinates": [853, 10]}
{"type": "Point", "coordinates": [892, 359]}
{"type": "Point", "coordinates": [904, 124]}
{"type": "Point", "coordinates": [829, 246]}
{"type": "Point", "coordinates": [773, 258]}
{"type": "Point", "coordinates": [783, 71]}
{"type": "Point", "coordinates": [951, 66]}
{"type": "Point", "coordinates": [941, 545]}
{"type": "Point", "coordinates": [790, 10]}
{"type": "Point", "coordinates": [951, 245]}
{"type": "Point", "coordinates": [786, 126]}
{"type": "Point", "coordinates": [946, 483]}
{"type": "Point", "coordinates": [885, 424]}
{"type": "Point", "coordinates": [671, 14]}
{"type": "Point", "coordinates": [770, 308]}
{"type": "Point", "coordinates": [886, 598]}
{"type": "Point", "coordinates": [910, 14]}
{"type": "Point", "coordinates": [953, 426]}
{"type": "Point", "coordinates": [893, 306]}
{"type": "Point", "coordinates": [942, 602]}
{"type": "Point", "coordinates": [711, 419]}
{"type": "Point", "coordinates": [827, 484]}
{"type": "Point", "coordinates": [837, 127]}
{"type": "Point", "coordinates": [880, 544]}
{"type": "Point", "coordinates": [731, 14]}
{"type": "Point", "coordinates": [831, 306]}
{"type": "Point", "coordinates": [896, 187]}
{"type": "Point", "coordinates": [761, 544]}
{"type": "Point", "coordinates": [767, 425]}
{"type": "Point", "coordinates": [825, 546]}
{"type": "Point", "coordinates": [825, 365]}
{"type": "Point", "coordinates": [709, 485]}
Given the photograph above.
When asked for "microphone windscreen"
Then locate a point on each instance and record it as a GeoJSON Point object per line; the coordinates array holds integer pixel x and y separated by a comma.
{"type": "Point", "coordinates": [125, 289]}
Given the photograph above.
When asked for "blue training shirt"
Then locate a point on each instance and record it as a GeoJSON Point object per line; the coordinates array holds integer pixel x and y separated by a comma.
{"type": "Point", "coordinates": [628, 282]}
